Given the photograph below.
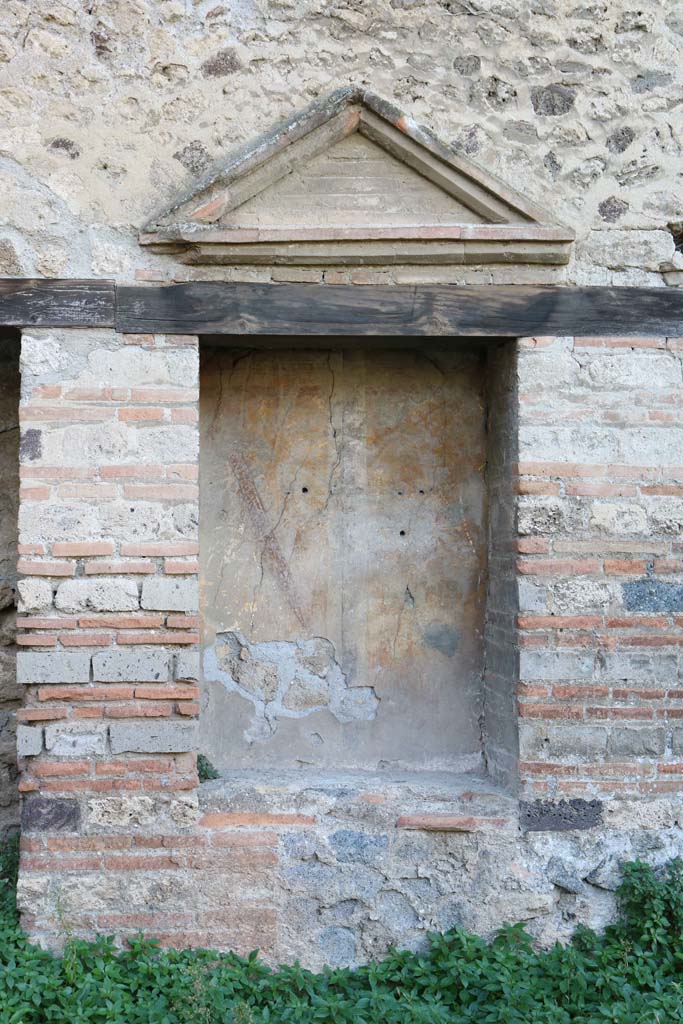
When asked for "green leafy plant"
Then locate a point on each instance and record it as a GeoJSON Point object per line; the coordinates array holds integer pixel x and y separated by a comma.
{"type": "Point", "coordinates": [205, 769]}
{"type": "Point", "coordinates": [630, 974]}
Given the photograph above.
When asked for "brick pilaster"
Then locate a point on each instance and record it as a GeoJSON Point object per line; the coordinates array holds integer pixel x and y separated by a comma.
{"type": "Point", "coordinates": [108, 623]}
{"type": "Point", "coordinates": [600, 570]}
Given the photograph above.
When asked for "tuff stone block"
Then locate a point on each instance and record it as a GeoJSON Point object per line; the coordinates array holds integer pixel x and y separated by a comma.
{"type": "Point", "coordinates": [152, 737]}
{"type": "Point", "coordinates": [110, 595]}
{"type": "Point", "coordinates": [35, 595]}
{"type": "Point", "coordinates": [29, 740]}
{"type": "Point", "coordinates": [131, 666]}
{"type": "Point", "coordinates": [173, 595]}
{"type": "Point", "coordinates": [54, 667]}
{"type": "Point", "coordinates": [75, 740]}
{"type": "Point", "coordinates": [187, 665]}
{"type": "Point", "coordinates": [637, 742]}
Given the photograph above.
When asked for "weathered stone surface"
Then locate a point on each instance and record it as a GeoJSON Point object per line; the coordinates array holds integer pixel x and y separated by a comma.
{"type": "Point", "coordinates": [48, 814]}
{"type": "Point", "coordinates": [152, 737]}
{"type": "Point", "coordinates": [132, 666]}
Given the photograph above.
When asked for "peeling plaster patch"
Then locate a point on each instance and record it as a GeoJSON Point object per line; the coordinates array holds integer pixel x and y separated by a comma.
{"type": "Point", "coordinates": [286, 678]}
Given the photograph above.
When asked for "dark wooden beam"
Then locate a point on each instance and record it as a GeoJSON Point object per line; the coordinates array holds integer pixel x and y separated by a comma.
{"type": "Point", "coordinates": [25, 302]}
{"type": "Point", "coordinates": [342, 310]}
{"type": "Point", "coordinates": [318, 309]}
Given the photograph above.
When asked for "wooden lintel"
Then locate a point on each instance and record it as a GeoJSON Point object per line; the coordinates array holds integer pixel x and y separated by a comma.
{"type": "Point", "coordinates": [39, 302]}
{"type": "Point", "coordinates": [342, 310]}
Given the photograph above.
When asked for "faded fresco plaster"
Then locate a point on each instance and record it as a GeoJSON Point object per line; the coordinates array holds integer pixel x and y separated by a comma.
{"type": "Point", "coordinates": [343, 557]}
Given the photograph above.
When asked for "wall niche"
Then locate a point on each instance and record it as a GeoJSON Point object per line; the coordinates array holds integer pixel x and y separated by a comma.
{"type": "Point", "coordinates": [344, 553]}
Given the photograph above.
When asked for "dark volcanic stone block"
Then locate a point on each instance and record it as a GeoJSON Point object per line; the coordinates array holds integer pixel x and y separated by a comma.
{"type": "Point", "coordinates": [650, 595]}
{"type": "Point", "coordinates": [42, 814]}
{"type": "Point", "coordinates": [561, 816]}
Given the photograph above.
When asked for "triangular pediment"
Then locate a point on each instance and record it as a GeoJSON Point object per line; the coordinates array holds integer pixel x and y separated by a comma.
{"type": "Point", "coordinates": [352, 179]}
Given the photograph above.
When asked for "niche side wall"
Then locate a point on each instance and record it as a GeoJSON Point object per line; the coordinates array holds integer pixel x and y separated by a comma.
{"type": "Point", "coordinates": [10, 694]}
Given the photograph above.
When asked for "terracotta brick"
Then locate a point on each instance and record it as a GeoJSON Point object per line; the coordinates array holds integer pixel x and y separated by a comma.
{"type": "Point", "coordinates": [45, 568]}
{"type": "Point", "coordinates": [184, 415]}
{"type": "Point", "coordinates": [549, 711]}
{"type": "Point", "coordinates": [36, 492]}
{"type": "Point", "coordinates": [183, 621]}
{"type": "Point", "coordinates": [132, 472]}
{"type": "Point", "coordinates": [572, 692]}
{"type": "Point", "coordinates": [624, 567]}
{"type": "Point", "coordinates": [558, 567]}
{"type": "Point", "coordinates": [188, 396]}
{"type": "Point", "coordinates": [537, 487]}
{"type": "Point", "coordinates": [40, 714]}
{"type": "Point", "coordinates": [83, 549]}
{"type": "Point", "coordinates": [159, 549]}
{"type": "Point", "coordinates": [559, 621]}
{"type": "Point", "coordinates": [160, 692]}
{"type": "Point", "coordinates": [158, 638]}
{"type": "Point", "coordinates": [46, 769]}
{"type": "Point", "coordinates": [77, 844]}
{"type": "Point", "coordinates": [91, 786]}
{"type": "Point", "coordinates": [668, 565]}
{"type": "Point", "coordinates": [143, 414]}
{"type": "Point", "coordinates": [672, 490]}
{"type": "Point", "coordinates": [182, 472]}
{"type": "Point", "coordinates": [222, 819]}
{"type": "Point", "coordinates": [121, 621]}
{"type": "Point", "coordinates": [36, 640]}
{"type": "Point", "coordinates": [176, 567]}
{"type": "Point", "coordinates": [161, 492]}
{"type": "Point", "coordinates": [85, 639]}
{"type": "Point", "coordinates": [130, 862]}
{"type": "Point", "coordinates": [85, 692]}
{"type": "Point", "coordinates": [593, 490]}
{"type": "Point", "coordinates": [637, 621]}
{"type": "Point", "coordinates": [189, 708]}
{"type": "Point", "coordinates": [123, 568]}
{"type": "Point", "coordinates": [155, 710]}
{"type": "Point", "coordinates": [453, 823]}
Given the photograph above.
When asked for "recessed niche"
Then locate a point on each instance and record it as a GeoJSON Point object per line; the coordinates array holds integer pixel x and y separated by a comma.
{"type": "Point", "coordinates": [344, 556]}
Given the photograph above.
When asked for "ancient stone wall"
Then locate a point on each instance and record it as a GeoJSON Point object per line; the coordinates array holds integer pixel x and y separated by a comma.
{"type": "Point", "coordinates": [109, 110]}
{"type": "Point", "coordinates": [10, 693]}
{"type": "Point", "coordinates": [118, 836]}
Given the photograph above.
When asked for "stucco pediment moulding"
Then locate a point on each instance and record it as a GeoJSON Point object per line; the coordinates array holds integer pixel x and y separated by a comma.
{"type": "Point", "coordinates": [354, 180]}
